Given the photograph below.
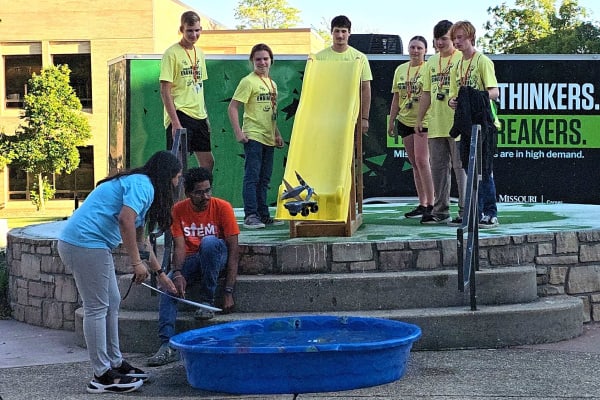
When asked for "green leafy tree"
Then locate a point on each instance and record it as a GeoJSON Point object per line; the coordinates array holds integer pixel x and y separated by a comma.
{"type": "Point", "coordinates": [266, 14]}
{"type": "Point", "coordinates": [51, 129]}
{"type": "Point", "coordinates": [583, 39]}
{"type": "Point", "coordinates": [538, 26]}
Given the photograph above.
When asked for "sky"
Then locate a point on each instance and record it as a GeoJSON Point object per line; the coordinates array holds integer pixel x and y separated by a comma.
{"type": "Point", "coordinates": [393, 17]}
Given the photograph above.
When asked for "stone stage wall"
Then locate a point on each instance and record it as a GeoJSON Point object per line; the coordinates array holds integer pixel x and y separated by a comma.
{"type": "Point", "coordinates": [42, 291]}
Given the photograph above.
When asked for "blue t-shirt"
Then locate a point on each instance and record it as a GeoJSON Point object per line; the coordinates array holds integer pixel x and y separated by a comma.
{"type": "Point", "coordinates": [95, 224]}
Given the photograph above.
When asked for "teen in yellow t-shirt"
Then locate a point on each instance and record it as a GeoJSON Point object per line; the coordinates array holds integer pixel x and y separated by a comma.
{"type": "Point", "coordinates": [257, 92]}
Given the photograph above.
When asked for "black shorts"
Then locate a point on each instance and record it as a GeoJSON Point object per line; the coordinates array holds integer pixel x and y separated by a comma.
{"type": "Point", "coordinates": [198, 133]}
{"type": "Point", "coordinates": [405, 130]}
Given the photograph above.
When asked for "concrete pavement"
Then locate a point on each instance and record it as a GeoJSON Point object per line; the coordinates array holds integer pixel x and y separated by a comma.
{"type": "Point", "coordinates": [40, 363]}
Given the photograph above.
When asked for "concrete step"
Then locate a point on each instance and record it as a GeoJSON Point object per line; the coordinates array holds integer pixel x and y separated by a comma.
{"type": "Point", "coordinates": [360, 291]}
{"type": "Point", "coordinates": [544, 320]}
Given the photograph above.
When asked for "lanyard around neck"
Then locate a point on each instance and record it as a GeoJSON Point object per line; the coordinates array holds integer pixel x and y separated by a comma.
{"type": "Point", "coordinates": [409, 84]}
{"type": "Point", "coordinates": [273, 93]}
{"type": "Point", "coordinates": [464, 76]}
{"type": "Point", "coordinates": [442, 74]}
{"type": "Point", "coordinates": [194, 63]}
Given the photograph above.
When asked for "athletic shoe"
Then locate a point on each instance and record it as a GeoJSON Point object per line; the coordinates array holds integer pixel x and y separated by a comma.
{"type": "Point", "coordinates": [268, 221]}
{"type": "Point", "coordinates": [253, 222]}
{"type": "Point", "coordinates": [203, 314]}
{"type": "Point", "coordinates": [431, 219]}
{"type": "Point", "coordinates": [131, 371]}
{"type": "Point", "coordinates": [488, 222]}
{"type": "Point", "coordinates": [164, 355]}
{"type": "Point", "coordinates": [113, 382]}
{"type": "Point", "coordinates": [456, 221]}
{"type": "Point", "coordinates": [417, 212]}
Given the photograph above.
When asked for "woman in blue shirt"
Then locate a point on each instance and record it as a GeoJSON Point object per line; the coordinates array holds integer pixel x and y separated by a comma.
{"type": "Point", "coordinates": [119, 210]}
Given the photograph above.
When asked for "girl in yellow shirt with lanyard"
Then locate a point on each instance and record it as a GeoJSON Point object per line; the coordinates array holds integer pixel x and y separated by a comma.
{"type": "Point", "coordinates": [407, 89]}
{"type": "Point", "coordinates": [259, 135]}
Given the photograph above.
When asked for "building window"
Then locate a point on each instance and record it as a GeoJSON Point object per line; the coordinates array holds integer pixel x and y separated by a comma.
{"type": "Point", "coordinates": [81, 75]}
{"type": "Point", "coordinates": [78, 183]}
{"type": "Point", "coordinates": [18, 182]}
{"type": "Point", "coordinates": [17, 71]}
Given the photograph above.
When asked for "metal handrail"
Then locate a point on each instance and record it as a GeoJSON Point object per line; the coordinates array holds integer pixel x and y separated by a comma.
{"type": "Point", "coordinates": [468, 255]}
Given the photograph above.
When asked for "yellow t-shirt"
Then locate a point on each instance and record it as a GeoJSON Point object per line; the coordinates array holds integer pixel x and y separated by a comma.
{"type": "Point", "coordinates": [187, 89]}
{"type": "Point", "coordinates": [259, 97]}
{"type": "Point", "coordinates": [478, 72]}
{"type": "Point", "coordinates": [436, 80]}
{"type": "Point", "coordinates": [408, 83]}
{"type": "Point", "coordinates": [350, 54]}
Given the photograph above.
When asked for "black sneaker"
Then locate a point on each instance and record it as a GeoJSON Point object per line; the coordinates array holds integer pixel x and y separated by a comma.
{"type": "Point", "coordinates": [131, 371]}
{"type": "Point", "coordinates": [113, 382]}
{"type": "Point", "coordinates": [456, 221]}
{"type": "Point", "coordinates": [416, 212]}
{"type": "Point", "coordinates": [431, 219]}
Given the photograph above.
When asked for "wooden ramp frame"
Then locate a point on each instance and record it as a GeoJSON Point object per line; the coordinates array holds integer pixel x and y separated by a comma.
{"type": "Point", "coordinates": [354, 219]}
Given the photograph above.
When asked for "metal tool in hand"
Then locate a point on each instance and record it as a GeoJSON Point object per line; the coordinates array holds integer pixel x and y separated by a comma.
{"type": "Point", "coordinates": [191, 303]}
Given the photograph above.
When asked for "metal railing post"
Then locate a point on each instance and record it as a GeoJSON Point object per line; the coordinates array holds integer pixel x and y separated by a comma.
{"type": "Point", "coordinates": [468, 254]}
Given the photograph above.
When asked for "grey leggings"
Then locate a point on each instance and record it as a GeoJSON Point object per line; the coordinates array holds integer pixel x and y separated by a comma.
{"type": "Point", "coordinates": [94, 273]}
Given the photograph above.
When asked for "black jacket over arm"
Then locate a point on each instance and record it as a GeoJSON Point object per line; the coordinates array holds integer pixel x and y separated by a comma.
{"type": "Point", "coordinates": [474, 108]}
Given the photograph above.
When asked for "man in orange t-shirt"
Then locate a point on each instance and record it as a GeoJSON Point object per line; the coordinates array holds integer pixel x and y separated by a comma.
{"type": "Point", "coordinates": [205, 236]}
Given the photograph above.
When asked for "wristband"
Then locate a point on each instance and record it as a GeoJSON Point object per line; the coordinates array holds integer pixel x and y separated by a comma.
{"type": "Point", "coordinates": [366, 119]}
{"type": "Point", "coordinates": [228, 289]}
{"type": "Point", "coordinates": [137, 263]}
{"type": "Point", "coordinates": [158, 272]}
{"type": "Point", "coordinates": [176, 270]}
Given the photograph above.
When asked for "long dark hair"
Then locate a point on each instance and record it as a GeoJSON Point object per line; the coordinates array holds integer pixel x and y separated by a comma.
{"type": "Point", "coordinates": [161, 168]}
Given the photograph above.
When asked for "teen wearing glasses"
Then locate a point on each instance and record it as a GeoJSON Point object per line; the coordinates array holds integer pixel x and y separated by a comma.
{"type": "Point", "coordinates": [205, 236]}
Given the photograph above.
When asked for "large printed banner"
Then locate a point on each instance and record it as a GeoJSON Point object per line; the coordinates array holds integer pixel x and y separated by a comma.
{"type": "Point", "coordinates": [549, 140]}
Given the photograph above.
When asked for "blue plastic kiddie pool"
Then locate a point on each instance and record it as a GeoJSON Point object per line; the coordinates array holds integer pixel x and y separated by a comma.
{"type": "Point", "coordinates": [294, 355]}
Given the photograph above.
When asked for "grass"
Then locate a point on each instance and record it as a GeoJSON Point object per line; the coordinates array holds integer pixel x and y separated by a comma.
{"type": "Point", "coordinates": [20, 221]}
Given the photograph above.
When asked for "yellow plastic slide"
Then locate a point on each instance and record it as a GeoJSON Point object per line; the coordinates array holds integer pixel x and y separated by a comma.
{"type": "Point", "coordinates": [322, 141]}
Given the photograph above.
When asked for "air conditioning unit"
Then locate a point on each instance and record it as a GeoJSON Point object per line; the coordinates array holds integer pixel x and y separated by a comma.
{"type": "Point", "coordinates": [371, 43]}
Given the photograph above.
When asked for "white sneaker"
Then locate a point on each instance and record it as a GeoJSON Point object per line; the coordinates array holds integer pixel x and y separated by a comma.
{"type": "Point", "coordinates": [488, 222]}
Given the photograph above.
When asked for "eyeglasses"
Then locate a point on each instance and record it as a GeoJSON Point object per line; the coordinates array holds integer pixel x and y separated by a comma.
{"type": "Point", "coordinates": [201, 192]}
